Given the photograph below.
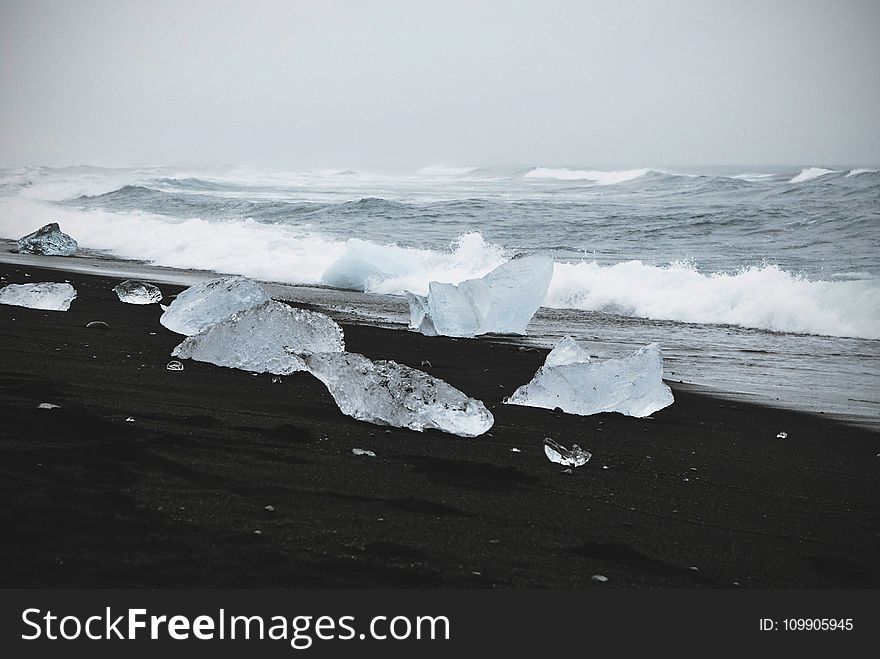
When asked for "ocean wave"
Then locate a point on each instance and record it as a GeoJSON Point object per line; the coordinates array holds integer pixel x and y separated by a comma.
{"type": "Point", "coordinates": [761, 297]}
{"type": "Point", "coordinates": [862, 170]}
{"type": "Point", "coordinates": [446, 171]}
{"type": "Point", "coordinates": [810, 173]}
{"type": "Point", "coordinates": [598, 177]}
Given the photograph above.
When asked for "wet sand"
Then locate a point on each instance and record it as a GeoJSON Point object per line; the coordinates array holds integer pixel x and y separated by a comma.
{"type": "Point", "coordinates": [702, 495]}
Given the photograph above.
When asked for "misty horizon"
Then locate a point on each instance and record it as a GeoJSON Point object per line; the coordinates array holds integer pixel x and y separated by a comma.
{"type": "Point", "coordinates": [401, 86]}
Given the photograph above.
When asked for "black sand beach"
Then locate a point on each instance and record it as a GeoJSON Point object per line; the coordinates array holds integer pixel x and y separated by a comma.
{"type": "Point", "coordinates": [702, 495]}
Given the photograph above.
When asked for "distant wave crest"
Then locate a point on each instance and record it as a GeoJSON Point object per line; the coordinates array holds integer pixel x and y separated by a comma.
{"type": "Point", "coordinates": [809, 173]}
{"type": "Point", "coordinates": [596, 176]}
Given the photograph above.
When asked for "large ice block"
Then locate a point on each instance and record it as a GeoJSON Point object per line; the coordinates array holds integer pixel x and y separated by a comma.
{"type": "Point", "coordinates": [391, 394]}
{"type": "Point", "coordinates": [199, 307]}
{"type": "Point", "coordinates": [267, 338]}
{"type": "Point", "coordinates": [630, 385]}
{"type": "Point", "coordinates": [47, 240]}
{"type": "Point", "coordinates": [137, 292]}
{"type": "Point", "coordinates": [502, 302]}
{"type": "Point", "coordinates": [48, 296]}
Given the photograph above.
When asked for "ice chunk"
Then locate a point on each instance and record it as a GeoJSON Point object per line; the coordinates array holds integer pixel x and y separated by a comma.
{"type": "Point", "coordinates": [48, 406]}
{"type": "Point", "coordinates": [573, 457]}
{"type": "Point", "coordinates": [174, 365]}
{"type": "Point", "coordinates": [630, 385]}
{"type": "Point", "coordinates": [567, 351]}
{"type": "Point", "coordinates": [503, 301]}
{"type": "Point", "coordinates": [391, 394]}
{"type": "Point", "coordinates": [266, 338]}
{"type": "Point", "coordinates": [199, 307]}
{"type": "Point", "coordinates": [47, 240]}
{"type": "Point", "coordinates": [48, 296]}
{"type": "Point", "coordinates": [363, 451]}
{"type": "Point", "coordinates": [419, 314]}
{"type": "Point", "coordinates": [137, 292]}
{"type": "Point", "coordinates": [782, 435]}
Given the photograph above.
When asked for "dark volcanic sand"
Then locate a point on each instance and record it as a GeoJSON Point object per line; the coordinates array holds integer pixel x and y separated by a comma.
{"type": "Point", "coordinates": [703, 495]}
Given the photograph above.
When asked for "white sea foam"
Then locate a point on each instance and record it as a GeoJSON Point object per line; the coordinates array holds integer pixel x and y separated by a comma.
{"type": "Point", "coordinates": [446, 170]}
{"type": "Point", "coordinates": [765, 297]}
{"type": "Point", "coordinates": [753, 177]}
{"type": "Point", "coordinates": [599, 177]}
{"type": "Point", "coordinates": [759, 297]}
{"type": "Point", "coordinates": [809, 173]}
{"type": "Point", "coordinates": [862, 170]}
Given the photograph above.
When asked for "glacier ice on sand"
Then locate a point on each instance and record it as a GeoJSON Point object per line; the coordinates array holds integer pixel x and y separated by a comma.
{"type": "Point", "coordinates": [266, 338]}
{"type": "Point", "coordinates": [199, 307]}
{"type": "Point", "coordinates": [391, 394]}
{"type": "Point", "coordinates": [48, 240]}
{"type": "Point", "coordinates": [631, 385]}
{"type": "Point", "coordinates": [48, 296]}
{"type": "Point", "coordinates": [573, 457]}
{"type": "Point", "coordinates": [137, 292]}
{"type": "Point", "coordinates": [503, 301]}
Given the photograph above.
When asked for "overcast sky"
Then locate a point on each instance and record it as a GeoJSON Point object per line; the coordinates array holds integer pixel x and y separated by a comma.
{"type": "Point", "coordinates": [408, 84]}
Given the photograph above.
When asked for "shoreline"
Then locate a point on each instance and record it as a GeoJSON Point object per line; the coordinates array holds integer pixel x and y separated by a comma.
{"type": "Point", "coordinates": [595, 331]}
{"type": "Point", "coordinates": [175, 497]}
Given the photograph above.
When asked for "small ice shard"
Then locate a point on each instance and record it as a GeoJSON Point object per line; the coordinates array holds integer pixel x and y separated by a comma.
{"type": "Point", "coordinates": [137, 292]}
{"type": "Point", "coordinates": [267, 338]}
{"type": "Point", "coordinates": [782, 435]}
{"type": "Point", "coordinates": [503, 301]}
{"type": "Point", "coordinates": [601, 578]}
{"type": "Point", "coordinates": [129, 419]}
{"type": "Point", "coordinates": [199, 307]}
{"type": "Point", "coordinates": [391, 394]}
{"type": "Point", "coordinates": [270, 508]}
{"type": "Point", "coordinates": [98, 324]}
{"type": "Point", "coordinates": [174, 365]}
{"type": "Point", "coordinates": [515, 450]}
{"type": "Point", "coordinates": [630, 385]}
{"type": "Point", "coordinates": [573, 457]}
{"type": "Point", "coordinates": [48, 241]}
{"type": "Point", "coordinates": [47, 296]}
{"type": "Point", "coordinates": [48, 406]}
{"type": "Point", "coordinates": [363, 451]}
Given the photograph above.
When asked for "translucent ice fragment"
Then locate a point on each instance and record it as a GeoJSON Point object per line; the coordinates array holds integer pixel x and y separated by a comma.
{"type": "Point", "coordinates": [267, 338]}
{"type": "Point", "coordinates": [47, 240]}
{"type": "Point", "coordinates": [782, 435]}
{"type": "Point", "coordinates": [630, 385]}
{"type": "Point", "coordinates": [363, 451]}
{"type": "Point", "coordinates": [137, 292]}
{"type": "Point", "coordinates": [48, 406]}
{"type": "Point", "coordinates": [573, 457]}
{"type": "Point", "coordinates": [503, 301]}
{"type": "Point", "coordinates": [174, 365]}
{"type": "Point", "coordinates": [391, 394]}
{"type": "Point", "coordinates": [48, 296]}
{"type": "Point", "coordinates": [567, 351]}
{"type": "Point", "coordinates": [419, 314]}
{"type": "Point", "coordinates": [199, 307]}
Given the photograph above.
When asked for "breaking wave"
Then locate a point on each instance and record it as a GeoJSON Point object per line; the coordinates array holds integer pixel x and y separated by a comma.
{"type": "Point", "coordinates": [763, 297]}
{"type": "Point", "coordinates": [598, 177]}
{"type": "Point", "coordinates": [809, 173]}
